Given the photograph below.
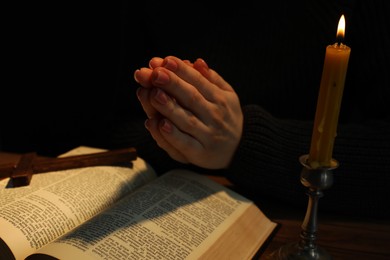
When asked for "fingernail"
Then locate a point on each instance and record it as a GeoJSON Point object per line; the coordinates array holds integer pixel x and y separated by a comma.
{"type": "Point", "coordinates": [203, 63]}
{"type": "Point", "coordinates": [147, 124]}
{"type": "Point", "coordinates": [160, 77]}
{"type": "Point", "coordinates": [160, 96]}
{"type": "Point", "coordinates": [170, 64]}
{"type": "Point", "coordinates": [166, 126]}
{"type": "Point", "coordinates": [135, 75]}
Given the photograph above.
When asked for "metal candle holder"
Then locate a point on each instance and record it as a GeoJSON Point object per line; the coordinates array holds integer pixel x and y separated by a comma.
{"type": "Point", "coordinates": [316, 180]}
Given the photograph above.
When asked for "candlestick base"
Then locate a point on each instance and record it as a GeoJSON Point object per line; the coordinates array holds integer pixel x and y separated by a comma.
{"type": "Point", "coordinates": [293, 251]}
{"type": "Point", "coordinates": [316, 180]}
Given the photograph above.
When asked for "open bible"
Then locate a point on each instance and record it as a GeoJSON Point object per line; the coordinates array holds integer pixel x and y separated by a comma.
{"type": "Point", "coordinates": [128, 212]}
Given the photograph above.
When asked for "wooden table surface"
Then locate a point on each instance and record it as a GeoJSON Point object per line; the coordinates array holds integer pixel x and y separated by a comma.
{"type": "Point", "coordinates": [342, 237]}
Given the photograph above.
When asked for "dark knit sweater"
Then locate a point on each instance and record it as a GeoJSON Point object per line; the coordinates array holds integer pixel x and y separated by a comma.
{"type": "Point", "coordinates": [267, 163]}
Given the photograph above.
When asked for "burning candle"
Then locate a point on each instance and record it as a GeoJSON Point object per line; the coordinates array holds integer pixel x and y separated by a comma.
{"type": "Point", "coordinates": [329, 101]}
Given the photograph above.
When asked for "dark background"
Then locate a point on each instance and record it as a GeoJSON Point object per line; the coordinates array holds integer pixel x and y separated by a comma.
{"type": "Point", "coordinates": [71, 64]}
{"type": "Point", "coordinates": [68, 59]}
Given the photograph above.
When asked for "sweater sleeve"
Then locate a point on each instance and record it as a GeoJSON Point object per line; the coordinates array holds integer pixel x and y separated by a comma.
{"type": "Point", "coordinates": [266, 163]}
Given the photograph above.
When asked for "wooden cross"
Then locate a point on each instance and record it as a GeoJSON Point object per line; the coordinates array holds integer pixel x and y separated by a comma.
{"type": "Point", "coordinates": [29, 164]}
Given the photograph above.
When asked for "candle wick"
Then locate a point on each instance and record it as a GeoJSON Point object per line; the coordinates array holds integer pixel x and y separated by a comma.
{"type": "Point", "coordinates": [339, 40]}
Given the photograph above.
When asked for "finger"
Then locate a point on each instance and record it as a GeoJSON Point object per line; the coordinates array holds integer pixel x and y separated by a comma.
{"type": "Point", "coordinates": [211, 75]}
{"type": "Point", "coordinates": [142, 76]}
{"type": "Point", "coordinates": [183, 92]}
{"type": "Point", "coordinates": [188, 62]}
{"type": "Point", "coordinates": [201, 66]}
{"type": "Point", "coordinates": [179, 141]}
{"type": "Point", "coordinates": [185, 120]}
{"type": "Point", "coordinates": [155, 126]}
{"type": "Point", "coordinates": [143, 96]}
{"type": "Point", "coordinates": [155, 62]}
{"type": "Point", "coordinates": [192, 76]}
{"type": "Point", "coordinates": [158, 62]}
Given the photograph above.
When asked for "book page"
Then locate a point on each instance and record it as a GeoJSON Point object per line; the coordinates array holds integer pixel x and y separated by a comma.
{"type": "Point", "coordinates": [56, 202]}
{"type": "Point", "coordinates": [177, 216]}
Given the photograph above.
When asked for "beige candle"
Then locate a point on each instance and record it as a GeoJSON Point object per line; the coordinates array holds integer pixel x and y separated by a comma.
{"type": "Point", "coordinates": [329, 101]}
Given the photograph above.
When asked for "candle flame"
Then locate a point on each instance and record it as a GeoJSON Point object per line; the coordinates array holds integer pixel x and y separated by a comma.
{"type": "Point", "coordinates": [341, 28]}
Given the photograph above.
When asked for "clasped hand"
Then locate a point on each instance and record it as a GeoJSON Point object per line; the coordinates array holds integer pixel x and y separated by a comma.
{"type": "Point", "coordinates": [193, 113]}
